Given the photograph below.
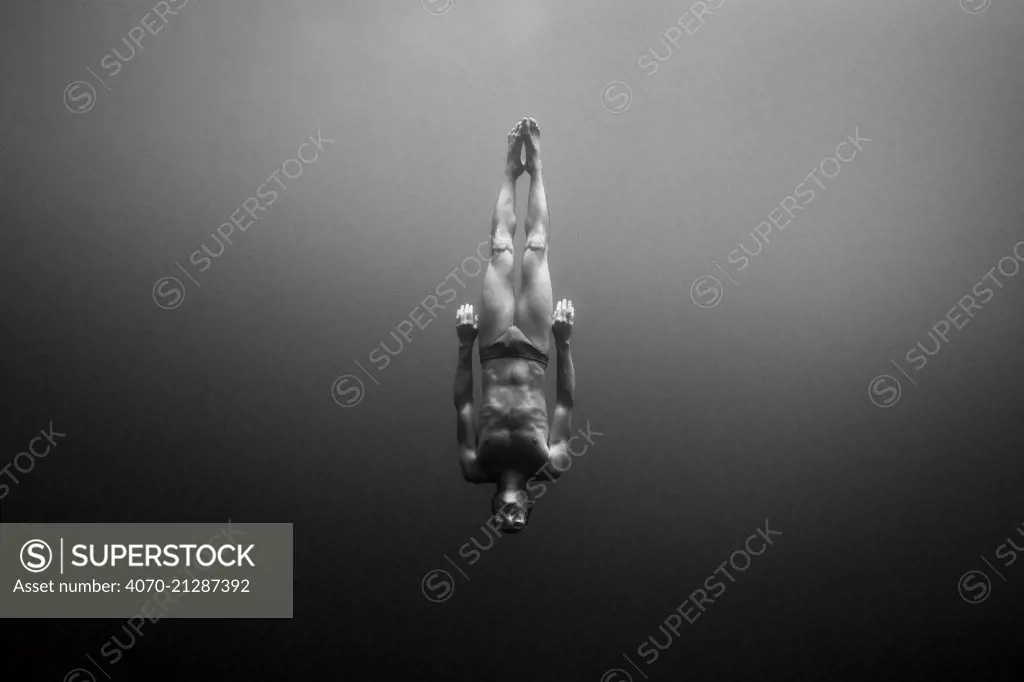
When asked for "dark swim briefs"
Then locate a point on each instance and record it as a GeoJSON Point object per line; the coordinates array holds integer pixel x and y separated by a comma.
{"type": "Point", "coordinates": [513, 344]}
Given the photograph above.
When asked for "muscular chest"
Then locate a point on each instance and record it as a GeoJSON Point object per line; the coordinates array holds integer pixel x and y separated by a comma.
{"type": "Point", "coordinates": [525, 451]}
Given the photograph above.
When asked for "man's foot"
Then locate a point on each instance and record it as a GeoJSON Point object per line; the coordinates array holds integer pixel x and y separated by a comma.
{"type": "Point", "coordinates": [531, 143]}
{"type": "Point", "coordinates": [514, 162]}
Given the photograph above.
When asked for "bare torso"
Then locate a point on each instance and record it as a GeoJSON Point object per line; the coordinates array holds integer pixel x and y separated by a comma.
{"type": "Point", "coordinates": [512, 422]}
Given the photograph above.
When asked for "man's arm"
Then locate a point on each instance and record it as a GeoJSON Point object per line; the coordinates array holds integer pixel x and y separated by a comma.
{"type": "Point", "coordinates": [465, 431]}
{"type": "Point", "coordinates": [467, 446]}
{"type": "Point", "coordinates": [464, 378]}
{"type": "Point", "coordinates": [565, 387]}
{"type": "Point", "coordinates": [565, 394]}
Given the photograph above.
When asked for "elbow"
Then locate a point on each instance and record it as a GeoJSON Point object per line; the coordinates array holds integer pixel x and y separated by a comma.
{"type": "Point", "coordinates": [462, 400]}
{"type": "Point", "coordinates": [561, 424]}
{"type": "Point", "coordinates": [465, 410]}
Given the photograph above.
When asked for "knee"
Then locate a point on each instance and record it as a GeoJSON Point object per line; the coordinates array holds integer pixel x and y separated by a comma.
{"type": "Point", "coordinates": [535, 255]}
{"type": "Point", "coordinates": [537, 244]}
{"type": "Point", "coordinates": [501, 244]}
{"type": "Point", "coordinates": [502, 252]}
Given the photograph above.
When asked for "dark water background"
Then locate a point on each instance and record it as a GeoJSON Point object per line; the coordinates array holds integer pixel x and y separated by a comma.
{"type": "Point", "coordinates": [713, 419]}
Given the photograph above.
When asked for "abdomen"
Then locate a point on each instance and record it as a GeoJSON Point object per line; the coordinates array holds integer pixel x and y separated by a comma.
{"type": "Point", "coordinates": [512, 426]}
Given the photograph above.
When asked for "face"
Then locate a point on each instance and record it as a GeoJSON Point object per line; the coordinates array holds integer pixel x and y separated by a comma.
{"type": "Point", "coordinates": [512, 510]}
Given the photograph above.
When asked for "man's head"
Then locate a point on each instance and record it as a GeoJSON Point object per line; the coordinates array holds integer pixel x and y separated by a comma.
{"type": "Point", "coordinates": [511, 508]}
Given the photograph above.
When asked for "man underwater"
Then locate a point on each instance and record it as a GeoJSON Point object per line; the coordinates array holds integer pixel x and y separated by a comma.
{"type": "Point", "coordinates": [510, 441]}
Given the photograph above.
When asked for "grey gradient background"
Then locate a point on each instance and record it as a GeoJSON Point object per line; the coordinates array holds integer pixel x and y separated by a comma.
{"type": "Point", "coordinates": [714, 419]}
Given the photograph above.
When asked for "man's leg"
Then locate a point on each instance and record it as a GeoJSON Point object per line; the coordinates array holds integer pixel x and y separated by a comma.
{"type": "Point", "coordinates": [536, 303]}
{"type": "Point", "coordinates": [498, 301]}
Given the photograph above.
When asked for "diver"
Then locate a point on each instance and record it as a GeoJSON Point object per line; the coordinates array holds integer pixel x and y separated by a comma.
{"type": "Point", "coordinates": [509, 441]}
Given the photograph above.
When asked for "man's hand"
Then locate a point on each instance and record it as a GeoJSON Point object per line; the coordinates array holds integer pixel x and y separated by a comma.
{"type": "Point", "coordinates": [562, 321]}
{"type": "Point", "coordinates": [465, 325]}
